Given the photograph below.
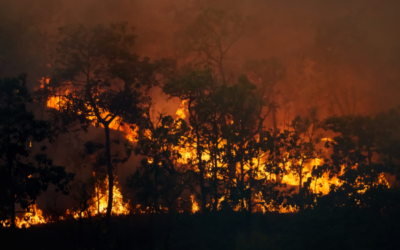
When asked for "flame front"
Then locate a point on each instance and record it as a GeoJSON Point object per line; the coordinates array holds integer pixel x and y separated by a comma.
{"type": "Point", "coordinates": [98, 204]}
{"type": "Point", "coordinates": [319, 185]}
{"type": "Point", "coordinates": [59, 101]}
{"type": "Point", "coordinates": [34, 217]}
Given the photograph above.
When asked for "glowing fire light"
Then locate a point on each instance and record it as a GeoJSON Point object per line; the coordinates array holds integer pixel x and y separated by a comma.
{"type": "Point", "coordinates": [181, 110]}
{"type": "Point", "coordinates": [99, 203]}
{"type": "Point", "coordinates": [58, 101]}
{"type": "Point", "coordinates": [195, 205]}
{"type": "Point", "coordinates": [34, 217]}
{"type": "Point", "coordinates": [318, 185]}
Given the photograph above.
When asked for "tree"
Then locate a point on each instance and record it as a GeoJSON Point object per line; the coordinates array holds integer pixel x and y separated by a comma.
{"type": "Point", "coordinates": [206, 99]}
{"type": "Point", "coordinates": [208, 39]}
{"type": "Point", "coordinates": [23, 174]}
{"type": "Point", "coordinates": [364, 149]}
{"type": "Point", "coordinates": [226, 122]}
{"type": "Point", "coordinates": [163, 175]}
{"type": "Point", "coordinates": [100, 82]}
{"type": "Point", "coordinates": [266, 73]}
{"type": "Point", "coordinates": [342, 53]}
{"type": "Point", "coordinates": [192, 86]}
{"type": "Point", "coordinates": [302, 149]}
{"type": "Point", "coordinates": [241, 130]}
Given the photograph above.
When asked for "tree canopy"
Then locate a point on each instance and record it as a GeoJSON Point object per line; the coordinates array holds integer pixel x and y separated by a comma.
{"type": "Point", "coordinates": [26, 170]}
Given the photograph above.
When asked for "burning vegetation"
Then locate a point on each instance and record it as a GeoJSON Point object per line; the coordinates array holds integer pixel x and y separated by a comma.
{"type": "Point", "coordinates": [204, 140]}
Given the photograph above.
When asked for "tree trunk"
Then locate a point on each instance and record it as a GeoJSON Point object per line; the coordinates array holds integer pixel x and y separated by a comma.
{"type": "Point", "coordinates": [155, 165]}
{"type": "Point", "coordinates": [12, 194]}
{"type": "Point", "coordinates": [221, 70]}
{"type": "Point", "coordinates": [201, 178]}
{"type": "Point", "coordinates": [215, 182]}
{"type": "Point", "coordinates": [242, 176]}
{"type": "Point", "coordinates": [215, 163]}
{"type": "Point", "coordinates": [110, 174]}
{"type": "Point", "coordinates": [249, 204]}
{"type": "Point", "coordinates": [231, 163]}
{"type": "Point", "coordinates": [12, 210]}
{"type": "Point", "coordinates": [300, 178]}
{"type": "Point", "coordinates": [273, 110]}
{"type": "Point", "coordinates": [98, 196]}
{"type": "Point", "coordinates": [301, 194]}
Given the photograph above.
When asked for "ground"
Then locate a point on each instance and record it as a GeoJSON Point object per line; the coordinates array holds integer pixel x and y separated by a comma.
{"type": "Point", "coordinates": [220, 230]}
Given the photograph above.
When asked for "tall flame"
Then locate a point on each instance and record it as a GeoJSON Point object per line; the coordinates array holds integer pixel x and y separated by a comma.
{"type": "Point", "coordinates": [99, 203]}
{"type": "Point", "coordinates": [317, 185]}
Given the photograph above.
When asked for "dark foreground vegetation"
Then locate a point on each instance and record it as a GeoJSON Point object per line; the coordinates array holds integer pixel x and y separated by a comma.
{"type": "Point", "coordinates": [339, 229]}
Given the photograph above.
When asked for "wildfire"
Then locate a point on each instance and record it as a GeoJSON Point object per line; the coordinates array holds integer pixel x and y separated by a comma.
{"type": "Point", "coordinates": [181, 110]}
{"type": "Point", "coordinates": [98, 204]}
{"type": "Point", "coordinates": [59, 101]}
{"type": "Point", "coordinates": [195, 205]}
{"type": "Point", "coordinates": [33, 217]}
{"type": "Point", "coordinates": [319, 185]}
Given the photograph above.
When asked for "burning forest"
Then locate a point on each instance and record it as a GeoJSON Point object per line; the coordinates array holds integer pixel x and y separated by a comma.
{"type": "Point", "coordinates": [200, 124]}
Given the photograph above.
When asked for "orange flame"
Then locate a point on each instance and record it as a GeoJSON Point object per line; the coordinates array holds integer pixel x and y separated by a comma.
{"type": "Point", "coordinates": [99, 203]}
{"type": "Point", "coordinates": [318, 185]}
{"type": "Point", "coordinates": [34, 217]}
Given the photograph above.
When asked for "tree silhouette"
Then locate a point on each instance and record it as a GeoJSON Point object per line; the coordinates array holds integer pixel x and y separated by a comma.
{"type": "Point", "coordinates": [208, 39]}
{"type": "Point", "coordinates": [24, 174]}
{"type": "Point", "coordinates": [241, 130]}
{"type": "Point", "coordinates": [190, 86]}
{"type": "Point", "coordinates": [100, 82]}
{"type": "Point", "coordinates": [226, 122]}
{"type": "Point", "coordinates": [266, 73]}
{"type": "Point", "coordinates": [365, 147]}
{"type": "Point", "coordinates": [162, 176]}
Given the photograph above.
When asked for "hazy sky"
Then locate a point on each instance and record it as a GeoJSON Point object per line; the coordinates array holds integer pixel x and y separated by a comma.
{"type": "Point", "coordinates": [365, 33]}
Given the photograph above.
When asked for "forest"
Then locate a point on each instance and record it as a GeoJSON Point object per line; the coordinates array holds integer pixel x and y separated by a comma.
{"type": "Point", "coordinates": [199, 125]}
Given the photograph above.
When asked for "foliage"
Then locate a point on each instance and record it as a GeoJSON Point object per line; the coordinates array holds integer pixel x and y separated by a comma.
{"type": "Point", "coordinates": [100, 82]}
{"type": "Point", "coordinates": [26, 170]}
{"type": "Point", "coordinates": [363, 150]}
{"type": "Point", "coordinates": [207, 40]}
{"type": "Point", "coordinates": [162, 177]}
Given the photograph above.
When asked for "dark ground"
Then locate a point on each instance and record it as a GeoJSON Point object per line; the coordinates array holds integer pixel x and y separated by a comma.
{"type": "Point", "coordinates": [218, 230]}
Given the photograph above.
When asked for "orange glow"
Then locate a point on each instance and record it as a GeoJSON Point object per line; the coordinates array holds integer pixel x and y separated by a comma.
{"type": "Point", "coordinates": [189, 154]}
{"type": "Point", "coordinates": [33, 217]}
{"type": "Point", "coordinates": [99, 203]}
{"type": "Point", "coordinates": [61, 100]}
{"type": "Point", "coordinates": [181, 112]}
{"type": "Point", "coordinates": [195, 205]}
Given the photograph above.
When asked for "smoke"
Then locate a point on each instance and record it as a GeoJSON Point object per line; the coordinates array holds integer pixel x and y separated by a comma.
{"type": "Point", "coordinates": [364, 32]}
{"type": "Point", "coordinates": [342, 57]}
